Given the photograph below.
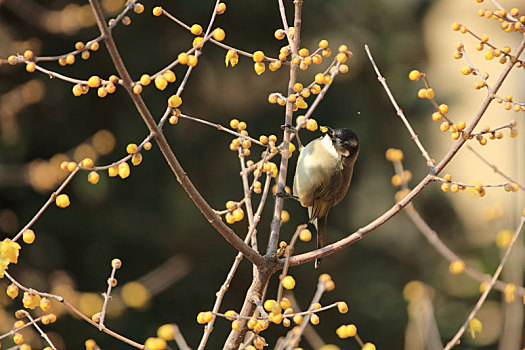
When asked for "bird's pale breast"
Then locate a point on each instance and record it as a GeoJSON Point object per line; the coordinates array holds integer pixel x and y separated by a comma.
{"type": "Point", "coordinates": [315, 166]}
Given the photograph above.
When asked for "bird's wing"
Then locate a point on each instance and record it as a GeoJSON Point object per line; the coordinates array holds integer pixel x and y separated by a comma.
{"type": "Point", "coordinates": [320, 208]}
{"type": "Point", "coordinates": [326, 195]}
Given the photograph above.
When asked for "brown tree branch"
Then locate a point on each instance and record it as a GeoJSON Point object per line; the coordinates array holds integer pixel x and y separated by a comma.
{"type": "Point", "coordinates": [483, 297]}
{"type": "Point", "coordinates": [78, 313]}
{"type": "Point", "coordinates": [448, 254]}
{"type": "Point", "coordinates": [362, 232]}
{"type": "Point", "coordinates": [262, 275]}
{"type": "Point", "coordinates": [495, 168]}
{"type": "Point", "coordinates": [283, 167]}
{"type": "Point", "coordinates": [399, 111]}
{"type": "Point", "coordinates": [47, 204]}
{"type": "Point", "coordinates": [261, 279]}
{"type": "Point", "coordinates": [165, 148]}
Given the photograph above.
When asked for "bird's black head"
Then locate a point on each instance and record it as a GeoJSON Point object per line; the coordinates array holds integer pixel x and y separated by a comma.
{"type": "Point", "coordinates": [344, 140]}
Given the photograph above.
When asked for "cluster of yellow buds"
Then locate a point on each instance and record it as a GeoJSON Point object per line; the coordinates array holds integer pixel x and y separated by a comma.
{"type": "Point", "coordinates": [454, 187]}
{"type": "Point", "coordinates": [457, 130]}
{"type": "Point", "coordinates": [346, 331]}
{"type": "Point", "coordinates": [232, 58]}
{"type": "Point", "coordinates": [510, 21]}
{"type": "Point", "coordinates": [280, 312]}
{"type": "Point", "coordinates": [310, 123]}
{"type": "Point", "coordinates": [259, 66]}
{"type": "Point", "coordinates": [328, 283]}
{"type": "Point", "coordinates": [270, 141]}
{"type": "Point", "coordinates": [240, 142]}
{"type": "Point", "coordinates": [136, 156]}
{"type": "Point", "coordinates": [104, 87]}
{"type": "Point", "coordinates": [83, 50]}
{"type": "Point", "coordinates": [235, 212]}
{"type": "Point", "coordinates": [267, 167]}
{"type": "Point", "coordinates": [394, 155]}
{"type": "Point", "coordinates": [304, 59]}
{"type": "Point", "coordinates": [451, 186]}
{"type": "Point", "coordinates": [398, 179]}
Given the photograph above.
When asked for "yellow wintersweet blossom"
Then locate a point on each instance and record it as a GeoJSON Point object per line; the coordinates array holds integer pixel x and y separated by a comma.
{"type": "Point", "coordinates": [9, 251]}
{"type": "Point", "coordinates": [232, 58]}
{"type": "Point", "coordinates": [31, 300]}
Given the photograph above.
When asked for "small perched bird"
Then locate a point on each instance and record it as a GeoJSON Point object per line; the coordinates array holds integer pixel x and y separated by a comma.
{"type": "Point", "coordinates": [323, 174]}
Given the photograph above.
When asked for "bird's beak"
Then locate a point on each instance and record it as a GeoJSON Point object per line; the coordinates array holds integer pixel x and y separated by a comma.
{"type": "Point", "coordinates": [328, 130]}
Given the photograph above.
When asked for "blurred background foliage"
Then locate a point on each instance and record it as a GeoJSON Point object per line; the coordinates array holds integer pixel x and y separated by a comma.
{"type": "Point", "coordinates": [148, 221]}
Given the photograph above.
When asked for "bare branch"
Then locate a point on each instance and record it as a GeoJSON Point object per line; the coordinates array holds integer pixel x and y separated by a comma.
{"type": "Point", "coordinates": [47, 204]}
{"type": "Point", "coordinates": [78, 313]}
{"type": "Point", "coordinates": [483, 297]}
{"type": "Point", "coordinates": [495, 168]}
{"type": "Point", "coordinates": [283, 168]}
{"type": "Point", "coordinates": [165, 148]}
{"type": "Point", "coordinates": [359, 234]}
{"type": "Point", "coordinates": [400, 113]}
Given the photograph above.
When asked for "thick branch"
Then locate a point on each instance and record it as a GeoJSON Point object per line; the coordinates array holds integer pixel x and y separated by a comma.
{"type": "Point", "coordinates": [359, 234]}
{"type": "Point", "coordinates": [283, 168]}
{"type": "Point", "coordinates": [165, 148]}
{"type": "Point", "coordinates": [259, 282]}
{"type": "Point", "coordinates": [261, 277]}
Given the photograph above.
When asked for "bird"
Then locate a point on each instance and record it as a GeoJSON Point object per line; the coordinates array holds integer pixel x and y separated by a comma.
{"type": "Point", "coordinates": [323, 175]}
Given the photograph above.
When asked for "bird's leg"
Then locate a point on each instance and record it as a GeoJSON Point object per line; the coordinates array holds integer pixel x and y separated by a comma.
{"type": "Point", "coordinates": [283, 194]}
{"type": "Point", "coordinates": [293, 129]}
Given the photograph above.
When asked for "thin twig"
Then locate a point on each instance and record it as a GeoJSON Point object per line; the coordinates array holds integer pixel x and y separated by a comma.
{"type": "Point", "coordinates": [122, 160]}
{"type": "Point", "coordinates": [78, 313]}
{"type": "Point", "coordinates": [247, 199]}
{"type": "Point", "coordinates": [283, 167]}
{"type": "Point", "coordinates": [495, 168]}
{"type": "Point", "coordinates": [434, 240]}
{"type": "Point", "coordinates": [165, 148]}
{"type": "Point", "coordinates": [46, 205]}
{"type": "Point", "coordinates": [447, 253]}
{"type": "Point", "coordinates": [42, 333]}
{"type": "Point", "coordinates": [179, 338]}
{"type": "Point", "coordinates": [360, 233]}
{"type": "Point", "coordinates": [291, 42]}
{"type": "Point", "coordinates": [107, 295]}
{"type": "Point", "coordinates": [464, 184]}
{"type": "Point", "coordinates": [223, 128]}
{"type": "Point", "coordinates": [244, 53]}
{"type": "Point", "coordinates": [15, 330]}
{"type": "Point", "coordinates": [321, 288]}
{"type": "Point", "coordinates": [400, 113]}
{"type": "Point", "coordinates": [265, 314]}
{"type": "Point", "coordinates": [483, 297]}
{"type": "Point", "coordinates": [358, 340]}
{"type": "Point", "coordinates": [225, 286]}
{"type": "Point", "coordinates": [288, 253]}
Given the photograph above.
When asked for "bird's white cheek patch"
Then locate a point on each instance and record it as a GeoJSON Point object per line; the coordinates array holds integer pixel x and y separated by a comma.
{"type": "Point", "coordinates": [344, 152]}
{"type": "Point", "coordinates": [328, 145]}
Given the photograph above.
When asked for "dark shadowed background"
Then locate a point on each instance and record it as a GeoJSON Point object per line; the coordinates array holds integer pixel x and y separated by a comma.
{"type": "Point", "coordinates": [148, 218]}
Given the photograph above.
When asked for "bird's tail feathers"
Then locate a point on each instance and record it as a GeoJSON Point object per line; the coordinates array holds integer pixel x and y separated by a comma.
{"type": "Point", "coordinates": [320, 225]}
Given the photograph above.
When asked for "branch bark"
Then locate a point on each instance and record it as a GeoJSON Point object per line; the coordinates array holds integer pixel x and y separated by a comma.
{"type": "Point", "coordinates": [362, 232]}
{"type": "Point", "coordinates": [165, 148]}
{"type": "Point", "coordinates": [283, 168]}
{"type": "Point", "coordinates": [260, 280]}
